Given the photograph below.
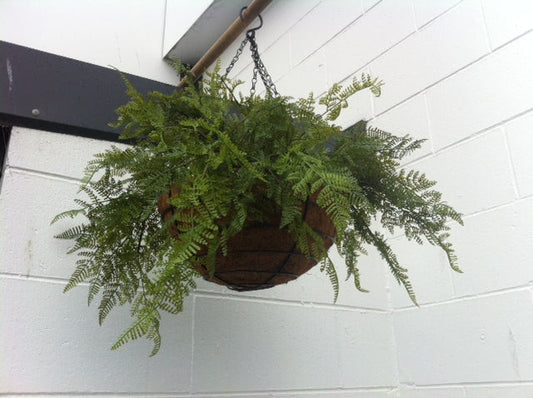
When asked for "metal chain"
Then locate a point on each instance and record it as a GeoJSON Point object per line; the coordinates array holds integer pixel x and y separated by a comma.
{"type": "Point", "coordinates": [235, 58]}
{"type": "Point", "coordinates": [259, 67]}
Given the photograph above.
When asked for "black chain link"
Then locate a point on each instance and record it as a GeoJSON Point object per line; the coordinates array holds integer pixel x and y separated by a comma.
{"type": "Point", "coordinates": [259, 67]}
{"type": "Point", "coordinates": [235, 58]}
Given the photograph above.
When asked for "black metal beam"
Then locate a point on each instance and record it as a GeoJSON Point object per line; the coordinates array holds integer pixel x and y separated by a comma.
{"type": "Point", "coordinates": [49, 92]}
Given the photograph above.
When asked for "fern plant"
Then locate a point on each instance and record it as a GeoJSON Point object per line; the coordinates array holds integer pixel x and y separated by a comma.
{"type": "Point", "coordinates": [217, 149]}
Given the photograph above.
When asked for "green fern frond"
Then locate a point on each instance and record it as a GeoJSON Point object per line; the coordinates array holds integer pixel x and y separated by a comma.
{"type": "Point", "coordinates": [67, 214]}
{"type": "Point", "coordinates": [80, 275]}
{"type": "Point", "coordinates": [147, 324]}
{"type": "Point", "coordinates": [329, 268]}
{"type": "Point", "coordinates": [71, 233]}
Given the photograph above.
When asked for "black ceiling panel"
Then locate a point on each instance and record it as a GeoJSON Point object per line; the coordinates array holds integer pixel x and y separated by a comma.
{"type": "Point", "coordinates": [49, 92]}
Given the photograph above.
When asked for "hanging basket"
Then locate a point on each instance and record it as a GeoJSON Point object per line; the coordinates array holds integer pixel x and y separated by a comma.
{"type": "Point", "coordinates": [262, 255]}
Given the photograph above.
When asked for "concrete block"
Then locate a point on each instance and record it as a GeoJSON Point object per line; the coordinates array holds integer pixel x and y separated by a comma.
{"type": "Point", "coordinates": [507, 21]}
{"type": "Point", "coordinates": [473, 176]}
{"type": "Point", "coordinates": [482, 339]}
{"type": "Point", "coordinates": [494, 249]}
{"type": "Point", "coordinates": [277, 59]}
{"type": "Point", "coordinates": [520, 140]}
{"type": "Point", "coordinates": [438, 50]}
{"type": "Point", "coordinates": [486, 93]}
{"type": "Point", "coordinates": [249, 346]}
{"type": "Point", "coordinates": [28, 204]}
{"type": "Point", "coordinates": [128, 38]}
{"type": "Point", "coordinates": [56, 346]}
{"type": "Point", "coordinates": [52, 153]}
{"type": "Point", "coordinates": [307, 77]}
{"type": "Point", "coordinates": [325, 20]}
{"type": "Point", "coordinates": [524, 390]}
{"type": "Point", "coordinates": [372, 34]}
{"type": "Point", "coordinates": [280, 17]}
{"type": "Point", "coordinates": [427, 11]}
{"type": "Point", "coordinates": [428, 271]}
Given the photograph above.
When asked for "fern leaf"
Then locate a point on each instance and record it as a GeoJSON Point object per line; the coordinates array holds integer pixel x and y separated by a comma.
{"type": "Point", "coordinates": [71, 233]}
{"type": "Point", "coordinates": [146, 324]}
{"type": "Point", "coordinates": [329, 268]}
{"type": "Point", "coordinates": [67, 214]}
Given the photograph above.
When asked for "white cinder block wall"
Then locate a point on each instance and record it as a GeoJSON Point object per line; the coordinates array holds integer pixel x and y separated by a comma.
{"type": "Point", "coordinates": [457, 73]}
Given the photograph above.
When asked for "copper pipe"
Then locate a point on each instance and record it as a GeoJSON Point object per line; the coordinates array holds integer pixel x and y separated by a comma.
{"type": "Point", "coordinates": [228, 37]}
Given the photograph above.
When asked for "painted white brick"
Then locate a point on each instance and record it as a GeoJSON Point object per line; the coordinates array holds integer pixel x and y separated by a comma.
{"type": "Point", "coordinates": [366, 353]}
{"type": "Point", "coordinates": [379, 29]}
{"type": "Point", "coordinates": [520, 139]}
{"type": "Point", "coordinates": [426, 11]}
{"type": "Point", "coordinates": [280, 17]}
{"type": "Point", "coordinates": [410, 118]}
{"type": "Point", "coordinates": [486, 93]}
{"type": "Point", "coordinates": [321, 24]}
{"type": "Point", "coordinates": [28, 204]}
{"type": "Point", "coordinates": [128, 38]}
{"type": "Point", "coordinates": [309, 76]}
{"type": "Point", "coordinates": [477, 340]}
{"type": "Point", "coordinates": [55, 345]}
{"type": "Point", "coordinates": [436, 51]}
{"type": "Point", "coordinates": [242, 346]}
{"type": "Point", "coordinates": [428, 271]}
{"type": "Point", "coordinates": [507, 20]}
{"type": "Point", "coordinates": [368, 4]}
{"type": "Point", "coordinates": [502, 391]}
{"type": "Point", "coordinates": [431, 392]}
{"type": "Point", "coordinates": [53, 153]}
{"type": "Point", "coordinates": [473, 176]}
{"type": "Point", "coordinates": [494, 249]}
{"type": "Point", "coordinates": [277, 59]}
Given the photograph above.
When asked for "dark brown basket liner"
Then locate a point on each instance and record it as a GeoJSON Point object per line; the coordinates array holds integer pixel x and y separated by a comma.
{"type": "Point", "coordinates": [262, 255]}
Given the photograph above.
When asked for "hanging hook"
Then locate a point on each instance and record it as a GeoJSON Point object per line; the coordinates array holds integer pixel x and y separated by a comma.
{"type": "Point", "coordinates": [252, 30]}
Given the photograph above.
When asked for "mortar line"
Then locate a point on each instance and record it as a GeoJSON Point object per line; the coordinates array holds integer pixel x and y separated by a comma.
{"type": "Point", "coordinates": [485, 27]}
{"type": "Point", "coordinates": [423, 26]}
{"type": "Point", "coordinates": [498, 207]}
{"type": "Point", "coordinates": [474, 384]}
{"type": "Point", "coordinates": [246, 393]}
{"type": "Point", "coordinates": [514, 179]}
{"type": "Point", "coordinates": [40, 173]}
{"type": "Point", "coordinates": [472, 136]}
{"type": "Point", "coordinates": [303, 392]}
{"type": "Point", "coordinates": [461, 69]}
{"type": "Point", "coordinates": [474, 296]}
{"type": "Point", "coordinates": [294, 303]}
{"type": "Point", "coordinates": [37, 278]}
